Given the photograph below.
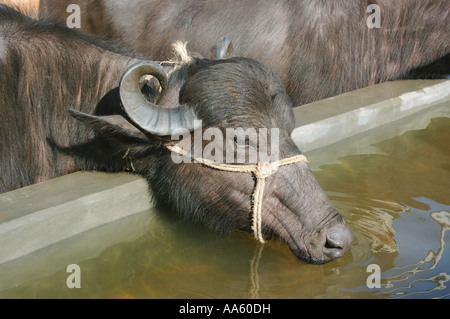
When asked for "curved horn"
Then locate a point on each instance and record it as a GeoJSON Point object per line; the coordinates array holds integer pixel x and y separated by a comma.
{"type": "Point", "coordinates": [150, 117]}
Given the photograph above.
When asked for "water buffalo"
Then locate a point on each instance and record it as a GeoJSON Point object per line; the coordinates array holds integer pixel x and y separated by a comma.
{"type": "Point", "coordinates": [47, 69]}
{"type": "Point", "coordinates": [317, 48]}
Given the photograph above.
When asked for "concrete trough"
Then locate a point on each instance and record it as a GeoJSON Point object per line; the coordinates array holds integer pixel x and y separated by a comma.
{"type": "Point", "coordinates": [40, 215]}
{"type": "Point", "coordinates": [44, 214]}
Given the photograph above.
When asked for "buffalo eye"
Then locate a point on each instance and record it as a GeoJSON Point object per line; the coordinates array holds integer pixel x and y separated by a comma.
{"type": "Point", "coordinates": [244, 142]}
{"type": "Point", "coordinates": [274, 96]}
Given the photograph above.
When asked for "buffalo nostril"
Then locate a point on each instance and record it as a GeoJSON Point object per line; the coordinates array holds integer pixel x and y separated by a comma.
{"type": "Point", "coordinates": [338, 241]}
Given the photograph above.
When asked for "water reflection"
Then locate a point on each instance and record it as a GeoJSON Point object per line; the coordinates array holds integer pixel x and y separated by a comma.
{"type": "Point", "coordinates": [430, 272]}
{"type": "Point", "coordinates": [406, 237]}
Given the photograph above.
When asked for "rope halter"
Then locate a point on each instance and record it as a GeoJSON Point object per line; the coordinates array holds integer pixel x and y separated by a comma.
{"type": "Point", "coordinates": [261, 171]}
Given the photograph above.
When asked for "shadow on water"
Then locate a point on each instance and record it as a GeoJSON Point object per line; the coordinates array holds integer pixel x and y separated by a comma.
{"type": "Point", "coordinates": [396, 200]}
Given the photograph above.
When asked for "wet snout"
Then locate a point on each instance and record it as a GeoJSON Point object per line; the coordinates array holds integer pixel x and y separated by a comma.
{"type": "Point", "coordinates": [338, 241]}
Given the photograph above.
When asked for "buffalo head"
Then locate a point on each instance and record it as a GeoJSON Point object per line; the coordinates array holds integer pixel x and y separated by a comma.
{"type": "Point", "coordinates": [227, 95]}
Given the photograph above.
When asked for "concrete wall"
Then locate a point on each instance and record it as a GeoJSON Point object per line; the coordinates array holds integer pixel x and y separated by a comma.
{"type": "Point", "coordinates": [328, 121]}
{"type": "Point", "coordinates": [40, 215]}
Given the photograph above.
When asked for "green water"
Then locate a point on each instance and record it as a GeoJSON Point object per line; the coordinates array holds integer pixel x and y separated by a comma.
{"type": "Point", "coordinates": [394, 193]}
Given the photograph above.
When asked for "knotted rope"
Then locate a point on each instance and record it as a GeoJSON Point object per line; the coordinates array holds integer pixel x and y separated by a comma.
{"type": "Point", "coordinates": [261, 171]}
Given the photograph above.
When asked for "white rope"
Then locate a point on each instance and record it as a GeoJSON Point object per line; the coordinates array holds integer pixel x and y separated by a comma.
{"type": "Point", "coordinates": [261, 170]}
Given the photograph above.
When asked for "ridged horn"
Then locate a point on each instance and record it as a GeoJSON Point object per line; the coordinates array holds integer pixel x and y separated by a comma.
{"type": "Point", "coordinates": [150, 117]}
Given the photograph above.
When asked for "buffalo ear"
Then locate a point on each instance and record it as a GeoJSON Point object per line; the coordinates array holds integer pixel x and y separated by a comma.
{"type": "Point", "coordinates": [223, 49]}
{"type": "Point", "coordinates": [113, 126]}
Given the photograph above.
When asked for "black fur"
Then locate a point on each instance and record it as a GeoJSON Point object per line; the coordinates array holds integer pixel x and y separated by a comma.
{"type": "Point", "coordinates": [317, 48]}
